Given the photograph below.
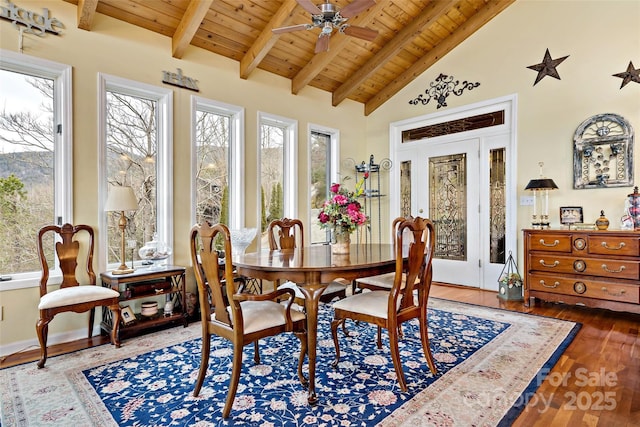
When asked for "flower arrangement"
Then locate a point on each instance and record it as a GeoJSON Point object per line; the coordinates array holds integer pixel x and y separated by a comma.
{"type": "Point", "coordinates": [511, 280]}
{"type": "Point", "coordinates": [342, 212]}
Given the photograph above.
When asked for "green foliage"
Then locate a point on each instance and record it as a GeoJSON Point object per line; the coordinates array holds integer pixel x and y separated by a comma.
{"type": "Point", "coordinates": [263, 215]}
{"type": "Point", "coordinates": [11, 191]}
{"type": "Point", "coordinates": [276, 203]}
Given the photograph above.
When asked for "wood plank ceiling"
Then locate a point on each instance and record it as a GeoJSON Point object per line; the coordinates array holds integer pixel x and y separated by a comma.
{"type": "Point", "coordinates": [412, 36]}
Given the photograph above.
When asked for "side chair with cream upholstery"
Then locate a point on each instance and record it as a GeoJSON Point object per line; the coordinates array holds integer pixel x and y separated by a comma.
{"type": "Point", "coordinates": [288, 233]}
{"type": "Point", "coordinates": [241, 318]}
{"type": "Point", "coordinates": [71, 296]}
{"type": "Point", "coordinates": [389, 309]}
{"type": "Point", "coordinates": [380, 282]}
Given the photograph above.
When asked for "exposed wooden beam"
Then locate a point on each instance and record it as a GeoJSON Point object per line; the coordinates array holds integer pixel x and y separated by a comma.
{"type": "Point", "coordinates": [266, 39]}
{"type": "Point", "coordinates": [321, 60]}
{"type": "Point", "coordinates": [189, 24]}
{"type": "Point", "coordinates": [493, 8]}
{"type": "Point", "coordinates": [429, 14]}
{"type": "Point", "coordinates": [86, 12]}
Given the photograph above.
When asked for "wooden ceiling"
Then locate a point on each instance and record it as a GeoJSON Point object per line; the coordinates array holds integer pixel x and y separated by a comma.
{"type": "Point", "coordinates": [412, 36]}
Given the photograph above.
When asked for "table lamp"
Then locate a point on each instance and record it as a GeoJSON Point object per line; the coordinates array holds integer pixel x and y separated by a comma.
{"type": "Point", "coordinates": [540, 188]}
{"type": "Point", "coordinates": [121, 199]}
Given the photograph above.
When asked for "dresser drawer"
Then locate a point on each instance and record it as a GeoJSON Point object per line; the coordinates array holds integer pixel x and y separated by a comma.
{"type": "Point", "coordinates": [550, 242]}
{"type": "Point", "coordinates": [614, 245]}
{"type": "Point", "coordinates": [605, 267]}
{"type": "Point", "coordinates": [588, 288]}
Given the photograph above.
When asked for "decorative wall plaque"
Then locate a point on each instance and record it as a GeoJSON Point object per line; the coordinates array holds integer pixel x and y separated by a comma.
{"type": "Point", "coordinates": [441, 88]}
{"type": "Point", "coordinates": [603, 152]}
{"type": "Point", "coordinates": [180, 80]}
{"type": "Point", "coordinates": [34, 23]}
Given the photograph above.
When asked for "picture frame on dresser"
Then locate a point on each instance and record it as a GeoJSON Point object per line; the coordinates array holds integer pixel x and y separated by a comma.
{"type": "Point", "coordinates": [571, 215]}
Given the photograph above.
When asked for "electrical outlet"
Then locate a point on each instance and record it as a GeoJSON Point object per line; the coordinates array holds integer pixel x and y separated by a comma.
{"type": "Point", "coordinates": [526, 200]}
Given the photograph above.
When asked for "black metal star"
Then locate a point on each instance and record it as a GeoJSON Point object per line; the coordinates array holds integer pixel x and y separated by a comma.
{"type": "Point", "coordinates": [631, 75]}
{"type": "Point", "coordinates": [547, 67]}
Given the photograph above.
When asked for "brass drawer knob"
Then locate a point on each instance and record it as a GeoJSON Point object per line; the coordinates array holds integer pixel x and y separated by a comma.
{"type": "Point", "coordinates": [555, 285]}
{"type": "Point", "coordinates": [620, 270]}
{"type": "Point", "coordinates": [619, 294]}
{"type": "Point", "coordinates": [612, 248]}
{"type": "Point", "coordinates": [555, 243]}
{"type": "Point", "coordinates": [555, 263]}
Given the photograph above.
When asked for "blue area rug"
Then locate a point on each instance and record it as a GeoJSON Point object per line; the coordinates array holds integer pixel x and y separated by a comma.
{"type": "Point", "coordinates": [489, 364]}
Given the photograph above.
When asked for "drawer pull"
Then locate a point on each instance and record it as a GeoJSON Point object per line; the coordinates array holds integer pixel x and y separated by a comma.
{"type": "Point", "coordinates": [620, 270]}
{"type": "Point", "coordinates": [619, 294]}
{"type": "Point", "coordinates": [555, 285]}
{"type": "Point", "coordinates": [555, 263]}
{"type": "Point", "coordinates": [555, 243]}
{"type": "Point", "coordinates": [606, 246]}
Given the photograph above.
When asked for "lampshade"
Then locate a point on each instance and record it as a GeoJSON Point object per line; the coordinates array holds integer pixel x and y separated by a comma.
{"type": "Point", "coordinates": [541, 184]}
{"type": "Point", "coordinates": [121, 199]}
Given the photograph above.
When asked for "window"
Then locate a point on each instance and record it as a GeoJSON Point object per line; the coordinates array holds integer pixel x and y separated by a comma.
{"type": "Point", "coordinates": [278, 172]}
{"type": "Point", "coordinates": [324, 154]}
{"type": "Point", "coordinates": [136, 150]}
{"type": "Point", "coordinates": [218, 180]}
{"type": "Point", "coordinates": [35, 160]}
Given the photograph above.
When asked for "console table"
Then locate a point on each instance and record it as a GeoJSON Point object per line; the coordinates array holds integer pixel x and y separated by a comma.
{"type": "Point", "coordinates": [159, 284]}
{"type": "Point", "coordinates": [590, 268]}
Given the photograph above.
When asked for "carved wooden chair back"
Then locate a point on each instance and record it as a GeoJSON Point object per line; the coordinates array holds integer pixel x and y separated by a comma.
{"type": "Point", "coordinates": [71, 296]}
{"type": "Point", "coordinates": [285, 233]}
{"type": "Point", "coordinates": [242, 318]}
{"type": "Point", "coordinates": [388, 309]}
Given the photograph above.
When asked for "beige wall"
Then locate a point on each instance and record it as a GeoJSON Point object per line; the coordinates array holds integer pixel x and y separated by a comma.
{"type": "Point", "coordinates": [601, 38]}
{"type": "Point", "coordinates": [122, 50]}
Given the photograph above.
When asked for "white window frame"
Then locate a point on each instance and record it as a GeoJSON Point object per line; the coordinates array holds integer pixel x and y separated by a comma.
{"type": "Point", "coordinates": [290, 173]}
{"type": "Point", "coordinates": [236, 155]}
{"type": "Point", "coordinates": [334, 160]}
{"type": "Point", "coordinates": [164, 160]}
{"type": "Point", "coordinates": [61, 74]}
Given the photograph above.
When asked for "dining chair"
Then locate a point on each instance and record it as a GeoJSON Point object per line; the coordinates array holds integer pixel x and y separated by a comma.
{"type": "Point", "coordinates": [241, 318]}
{"type": "Point", "coordinates": [389, 309]}
{"type": "Point", "coordinates": [286, 233]}
{"type": "Point", "coordinates": [380, 282]}
{"type": "Point", "coordinates": [71, 296]}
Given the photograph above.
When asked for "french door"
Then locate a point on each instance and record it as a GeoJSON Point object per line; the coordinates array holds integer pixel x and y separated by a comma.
{"type": "Point", "coordinates": [446, 182]}
{"type": "Point", "coordinates": [465, 183]}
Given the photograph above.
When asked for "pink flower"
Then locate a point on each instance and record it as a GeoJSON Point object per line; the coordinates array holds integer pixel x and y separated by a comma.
{"type": "Point", "coordinates": [323, 217]}
{"type": "Point", "coordinates": [340, 199]}
{"type": "Point", "coordinates": [335, 188]}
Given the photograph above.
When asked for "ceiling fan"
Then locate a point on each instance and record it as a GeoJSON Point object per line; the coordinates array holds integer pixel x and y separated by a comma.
{"type": "Point", "coordinates": [327, 17]}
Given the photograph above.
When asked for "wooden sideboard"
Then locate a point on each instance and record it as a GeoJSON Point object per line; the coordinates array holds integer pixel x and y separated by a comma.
{"type": "Point", "coordinates": [590, 268]}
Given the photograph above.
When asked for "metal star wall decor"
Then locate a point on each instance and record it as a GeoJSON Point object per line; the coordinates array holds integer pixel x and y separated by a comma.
{"type": "Point", "coordinates": [547, 67]}
{"type": "Point", "coordinates": [631, 75]}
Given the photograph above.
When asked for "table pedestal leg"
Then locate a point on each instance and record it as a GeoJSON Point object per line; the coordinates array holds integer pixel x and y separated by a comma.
{"type": "Point", "coordinates": [312, 294]}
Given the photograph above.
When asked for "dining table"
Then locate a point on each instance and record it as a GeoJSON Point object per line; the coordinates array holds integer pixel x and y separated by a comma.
{"type": "Point", "coordinates": [313, 268]}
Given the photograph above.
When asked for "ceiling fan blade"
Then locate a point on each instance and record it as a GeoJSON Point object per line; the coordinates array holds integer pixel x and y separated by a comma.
{"type": "Point", "coordinates": [290, 28]}
{"type": "Point", "coordinates": [355, 7]}
{"type": "Point", "coordinates": [360, 32]}
{"type": "Point", "coordinates": [322, 45]}
{"type": "Point", "coordinates": [309, 7]}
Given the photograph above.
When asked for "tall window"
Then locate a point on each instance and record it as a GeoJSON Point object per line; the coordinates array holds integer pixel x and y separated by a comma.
{"type": "Point", "coordinates": [136, 152]}
{"type": "Point", "coordinates": [324, 154]}
{"type": "Point", "coordinates": [35, 160]}
{"type": "Point", "coordinates": [218, 177]}
{"type": "Point", "coordinates": [277, 169]}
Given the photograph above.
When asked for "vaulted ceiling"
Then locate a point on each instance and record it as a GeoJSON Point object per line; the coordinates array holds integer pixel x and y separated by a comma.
{"type": "Point", "coordinates": [412, 35]}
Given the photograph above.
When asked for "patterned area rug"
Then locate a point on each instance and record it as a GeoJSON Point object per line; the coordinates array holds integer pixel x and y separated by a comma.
{"type": "Point", "coordinates": [490, 363]}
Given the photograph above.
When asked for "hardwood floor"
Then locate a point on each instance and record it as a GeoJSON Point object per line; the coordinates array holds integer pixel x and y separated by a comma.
{"type": "Point", "coordinates": [596, 382]}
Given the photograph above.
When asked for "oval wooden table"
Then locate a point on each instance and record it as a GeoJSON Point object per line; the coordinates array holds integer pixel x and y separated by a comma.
{"type": "Point", "coordinates": [313, 268]}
